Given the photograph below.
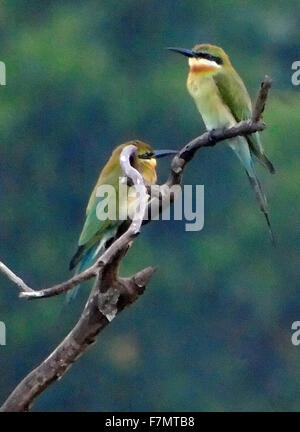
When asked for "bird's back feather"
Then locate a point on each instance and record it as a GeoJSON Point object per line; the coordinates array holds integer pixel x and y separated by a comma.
{"type": "Point", "coordinates": [235, 96]}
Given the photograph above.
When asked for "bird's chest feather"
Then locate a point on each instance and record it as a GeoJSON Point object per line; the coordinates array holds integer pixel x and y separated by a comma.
{"type": "Point", "coordinates": [208, 101]}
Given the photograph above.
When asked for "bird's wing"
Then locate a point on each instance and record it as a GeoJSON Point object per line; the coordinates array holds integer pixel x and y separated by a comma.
{"type": "Point", "coordinates": [93, 226]}
{"type": "Point", "coordinates": [91, 234]}
{"type": "Point", "coordinates": [94, 229]}
{"type": "Point", "coordinates": [235, 95]}
{"type": "Point", "coordinates": [258, 151]}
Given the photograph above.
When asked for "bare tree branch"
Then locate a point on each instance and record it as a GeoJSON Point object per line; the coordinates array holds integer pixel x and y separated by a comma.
{"type": "Point", "coordinates": [136, 179]}
{"type": "Point", "coordinates": [261, 99]}
{"type": "Point", "coordinates": [110, 293]}
{"type": "Point", "coordinates": [99, 309]}
{"type": "Point", "coordinates": [208, 139]}
{"type": "Point", "coordinates": [14, 278]}
{"type": "Point", "coordinates": [211, 138]}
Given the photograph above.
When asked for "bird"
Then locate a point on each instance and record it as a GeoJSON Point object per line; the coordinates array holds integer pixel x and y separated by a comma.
{"type": "Point", "coordinates": [97, 233]}
{"type": "Point", "coordinates": [222, 99]}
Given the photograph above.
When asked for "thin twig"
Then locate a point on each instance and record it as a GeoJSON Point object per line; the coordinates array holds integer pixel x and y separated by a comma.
{"type": "Point", "coordinates": [261, 99]}
{"type": "Point", "coordinates": [14, 278]}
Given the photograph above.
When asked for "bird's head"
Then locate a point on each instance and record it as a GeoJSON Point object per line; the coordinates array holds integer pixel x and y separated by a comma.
{"type": "Point", "coordinates": [145, 158]}
{"type": "Point", "coordinates": [205, 59]}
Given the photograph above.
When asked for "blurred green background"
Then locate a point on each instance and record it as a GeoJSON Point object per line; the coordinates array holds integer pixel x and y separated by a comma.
{"type": "Point", "coordinates": [213, 329]}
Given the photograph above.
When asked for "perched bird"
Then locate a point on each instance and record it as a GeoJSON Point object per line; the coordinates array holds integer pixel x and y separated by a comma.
{"type": "Point", "coordinates": [222, 100]}
{"type": "Point", "coordinates": [96, 233]}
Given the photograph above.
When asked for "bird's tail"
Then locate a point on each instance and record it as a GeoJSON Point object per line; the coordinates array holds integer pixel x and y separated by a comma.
{"type": "Point", "coordinates": [257, 149]}
{"type": "Point", "coordinates": [85, 258]}
{"type": "Point", "coordinates": [241, 148]}
{"type": "Point", "coordinates": [260, 196]}
{"type": "Point", "coordinates": [84, 264]}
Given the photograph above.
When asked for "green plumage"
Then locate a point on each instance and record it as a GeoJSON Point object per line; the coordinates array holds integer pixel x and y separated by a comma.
{"type": "Point", "coordinates": [235, 96]}
{"type": "Point", "coordinates": [95, 232]}
{"type": "Point", "coordinates": [222, 100]}
{"type": "Point", "coordinates": [93, 228]}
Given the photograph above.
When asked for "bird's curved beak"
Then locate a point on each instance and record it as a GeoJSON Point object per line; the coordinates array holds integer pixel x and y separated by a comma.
{"type": "Point", "coordinates": [183, 51]}
{"type": "Point", "coordinates": [163, 153]}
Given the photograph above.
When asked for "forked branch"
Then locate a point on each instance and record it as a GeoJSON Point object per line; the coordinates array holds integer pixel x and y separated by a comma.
{"type": "Point", "coordinates": [109, 296]}
{"type": "Point", "coordinates": [111, 293]}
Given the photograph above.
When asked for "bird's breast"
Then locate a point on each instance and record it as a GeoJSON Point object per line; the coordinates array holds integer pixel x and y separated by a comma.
{"type": "Point", "coordinates": [214, 111]}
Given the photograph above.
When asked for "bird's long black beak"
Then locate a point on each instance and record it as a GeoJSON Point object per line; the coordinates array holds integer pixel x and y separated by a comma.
{"type": "Point", "coordinates": [163, 153]}
{"type": "Point", "coordinates": [183, 51]}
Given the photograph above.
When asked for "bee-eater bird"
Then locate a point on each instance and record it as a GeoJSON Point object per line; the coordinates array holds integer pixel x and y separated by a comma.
{"type": "Point", "coordinates": [97, 234]}
{"type": "Point", "coordinates": [222, 100]}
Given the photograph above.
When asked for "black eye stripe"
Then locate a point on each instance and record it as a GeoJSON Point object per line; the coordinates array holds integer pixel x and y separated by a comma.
{"type": "Point", "coordinates": [210, 57]}
{"type": "Point", "coordinates": [147, 155]}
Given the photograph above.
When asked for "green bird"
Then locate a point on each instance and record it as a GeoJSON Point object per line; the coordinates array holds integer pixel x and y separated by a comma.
{"type": "Point", "coordinates": [222, 100]}
{"type": "Point", "coordinates": [98, 233]}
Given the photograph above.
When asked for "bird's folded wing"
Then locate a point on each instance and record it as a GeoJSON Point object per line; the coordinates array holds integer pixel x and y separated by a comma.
{"type": "Point", "coordinates": [235, 95]}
